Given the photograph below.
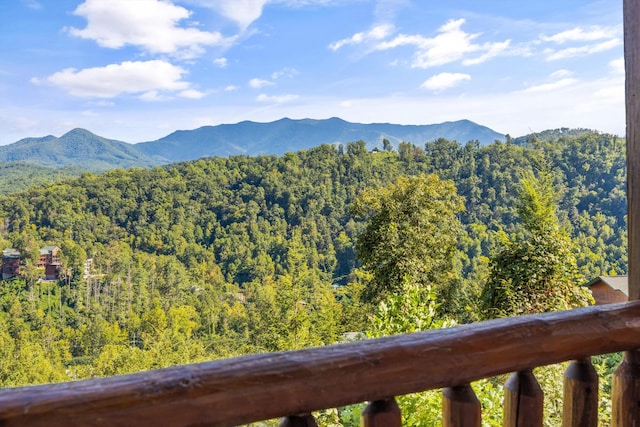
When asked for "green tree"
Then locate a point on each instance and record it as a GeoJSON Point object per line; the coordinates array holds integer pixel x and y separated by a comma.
{"type": "Point", "coordinates": [413, 310]}
{"type": "Point", "coordinates": [411, 231]}
{"type": "Point", "coordinates": [535, 271]}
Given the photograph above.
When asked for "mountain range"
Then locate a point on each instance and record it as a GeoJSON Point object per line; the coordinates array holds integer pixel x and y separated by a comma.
{"type": "Point", "coordinates": [83, 149]}
{"type": "Point", "coordinates": [76, 148]}
{"type": "Point", "coordinates": [285, 135]}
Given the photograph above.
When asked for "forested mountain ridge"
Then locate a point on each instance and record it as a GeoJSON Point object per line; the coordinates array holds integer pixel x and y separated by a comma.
{"type": "Point", "coordinates": [286, 135]}
{"type": "Point", "coordinates": [550, 135]}
{"type": "Point", "coordinates": [83, 149]}
{"type": "Point", "coordinates": [76, 148]}
{"type": "Point", "coordinates": [223, 256]}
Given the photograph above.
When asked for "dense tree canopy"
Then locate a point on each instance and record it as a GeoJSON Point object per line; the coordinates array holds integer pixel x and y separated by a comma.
{"type": "Point", "coordinates": [225, 256]}
{"type": "Point", "coordinates": [411, 233]}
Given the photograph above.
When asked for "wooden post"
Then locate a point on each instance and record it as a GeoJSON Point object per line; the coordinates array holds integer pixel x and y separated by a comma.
{"type": "Point", "coordinates": [381, 413]}
{"type": "Point", "coordinates": [632, 97]}
{"type": "Point", "coordinates": [523, 400]}
{"type": "Point", "coordinates": [580, 406]}
{"type": "Point", "coordinates": [625, 391]}
{"type": "Point", "coordinates": [460, 407]}
{"type": "Point", "coordinates": [305, 420]}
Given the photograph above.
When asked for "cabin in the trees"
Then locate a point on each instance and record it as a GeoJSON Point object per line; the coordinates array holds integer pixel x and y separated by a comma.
{"type": "Point", "coordinates": [10, 263]}
{"type": "Point", "coordinates": [50, 261]}
{"type": "Point", "coordinates": [609, 289]}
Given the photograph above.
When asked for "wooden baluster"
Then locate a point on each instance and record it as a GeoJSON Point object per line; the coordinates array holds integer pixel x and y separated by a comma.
{"type": "Point", "coordinates": [625, 391]}
{"type": "Point", "coordinates": [460, 407]}
{"type": "Point", "coordinates": [381, 413]}
{"type": "Point", "coordinates": [523, 399]}
{"type": "Point", "coordinates": [305, 420]}
{"type": "Point", "coordinates": [580, 406]}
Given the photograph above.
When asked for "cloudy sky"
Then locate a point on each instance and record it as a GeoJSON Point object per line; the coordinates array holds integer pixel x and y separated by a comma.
{"type": "Point", "coordinates": [135, 70]}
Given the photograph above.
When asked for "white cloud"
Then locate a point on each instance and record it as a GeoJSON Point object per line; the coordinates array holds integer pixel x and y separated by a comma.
{"type": "Point", "coordinates": [277, 99]}
{"type": "Point", "coordinates": [192, 94]}
{"type": "Point", "coordinates": [557, 80]}
{"type": "Point", "coordinates": [581, 41]}
{"type": "Point", "coordinates": [451, 44]}
{"type": "Point", "coordinates": [231, 88]}
{"type": "Point", "coordinates": [285, 72]}
{"type": "Point", "coordinates": [259, 83]}
{"type": "Point", "coordinates": [491, 51]}
{"type": "Point", "coordinates": [561, 74]}
{"type": "Point", "coordinates": [152, 96]}
{"type": "Point", "coordinates": [579, 34]}
{"type": "Point", "coordinates": [549, 87]}
{"type": "Point", "coordinates": [221, 62]}
{"type": "Point", "coordinates": [444, 81]}
{"type": "Point", "coordinates": [378, 32]}
{"type": "Point", "coordinates": [553, 55]}
{"type": "Point", "coordinates": [242, 12]}
{"type": "Point", "coordinates": [149, 24]}
{"type": "Point", "coordinates": [116, 79]}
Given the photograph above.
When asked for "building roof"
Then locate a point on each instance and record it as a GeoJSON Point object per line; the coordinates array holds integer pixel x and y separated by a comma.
{"type": "Point", "coordinates": [10, 253]}
{"type": "Point", "coordinates": [619, 283]}
{"type": "Point", "coordinates": [47, 250]}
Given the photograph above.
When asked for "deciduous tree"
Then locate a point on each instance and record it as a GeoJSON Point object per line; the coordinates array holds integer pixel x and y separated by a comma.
{"type": "Point", "coordinates": [411, 231]}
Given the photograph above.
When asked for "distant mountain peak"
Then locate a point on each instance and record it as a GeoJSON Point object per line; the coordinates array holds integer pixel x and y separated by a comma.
{"type": "Point", "coordinates": [76, 148]}
{"type": "Point", "coordinates": [286, 134]}
{"type": "Point", "coordinates": [78, 132]}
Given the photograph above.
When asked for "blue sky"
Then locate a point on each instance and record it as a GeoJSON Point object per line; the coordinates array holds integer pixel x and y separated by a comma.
{"type": "Point", "coordinates": [135, 70]}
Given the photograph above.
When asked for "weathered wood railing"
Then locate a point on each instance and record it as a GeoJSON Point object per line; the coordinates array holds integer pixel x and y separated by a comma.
{"type": "Point", "coordinates": [265, 386]}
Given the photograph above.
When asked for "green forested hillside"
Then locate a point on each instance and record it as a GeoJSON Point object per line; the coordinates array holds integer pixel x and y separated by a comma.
{"type": "Point", "coordinates": [77, 148]}
{"type": "Point", "coordinates": [20, 176]}
{"type": "Point", "coordinates": [224, 256]}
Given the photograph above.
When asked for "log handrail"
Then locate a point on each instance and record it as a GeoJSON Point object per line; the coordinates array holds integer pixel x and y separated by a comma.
{"type": "Point", "coordinates": [264, 386]}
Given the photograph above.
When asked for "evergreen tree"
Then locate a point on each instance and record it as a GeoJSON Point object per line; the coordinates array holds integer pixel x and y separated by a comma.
{"type": "Point", "coordinates": [535, 271]}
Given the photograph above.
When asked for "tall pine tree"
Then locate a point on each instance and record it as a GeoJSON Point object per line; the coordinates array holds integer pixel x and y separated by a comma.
{"type": "Point", "coordinates": [536, 271]}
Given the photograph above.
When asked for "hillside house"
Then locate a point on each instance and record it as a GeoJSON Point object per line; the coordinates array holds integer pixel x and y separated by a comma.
{"type": "Point", "coordinates": [10, 263]}
{"type": "Point", "coordinates": [609, 289]}
{"type": "Point", "coordinates": [50, 261]}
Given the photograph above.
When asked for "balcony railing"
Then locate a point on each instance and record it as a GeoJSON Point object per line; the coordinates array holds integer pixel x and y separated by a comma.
{"type": "Point", "coordinates": [296, 383]}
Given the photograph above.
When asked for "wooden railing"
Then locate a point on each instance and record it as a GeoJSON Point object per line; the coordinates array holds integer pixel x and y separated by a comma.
{"type": "Point", "coordinates": [265, 386]}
